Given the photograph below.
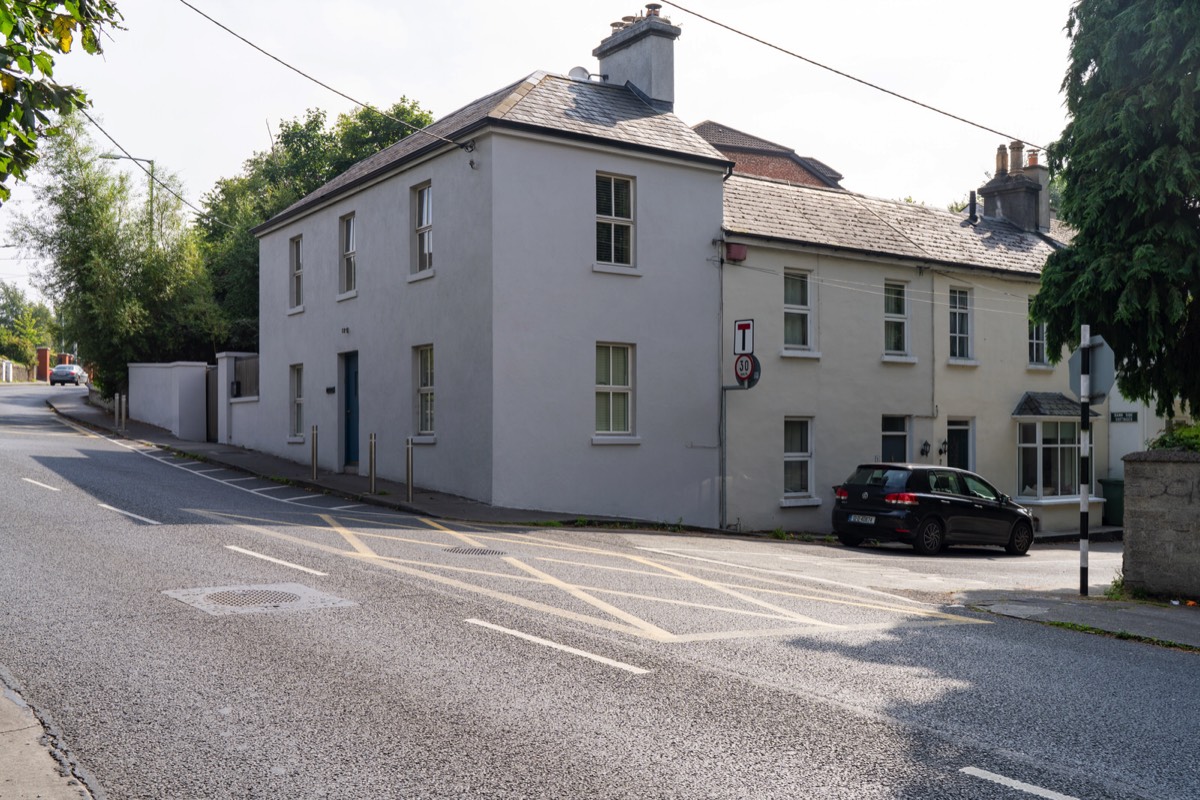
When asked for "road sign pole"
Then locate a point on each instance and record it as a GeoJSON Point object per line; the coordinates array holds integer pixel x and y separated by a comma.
{"type": "Point", "coordinates": [1085, 435]}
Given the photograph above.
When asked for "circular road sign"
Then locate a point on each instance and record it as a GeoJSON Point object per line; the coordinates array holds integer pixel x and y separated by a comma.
{"type": "Point", "coordinates": [746, 369]}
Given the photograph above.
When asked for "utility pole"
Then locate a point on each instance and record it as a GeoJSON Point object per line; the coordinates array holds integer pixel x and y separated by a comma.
{"type": "Point", "coordinates": [150, 161]}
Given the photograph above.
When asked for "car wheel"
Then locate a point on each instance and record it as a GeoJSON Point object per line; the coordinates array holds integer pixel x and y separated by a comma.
{"type": "Point", "coordinates": [930, 537]}
{"type": "Point", "coordinates": [1021, 539]}
{"type": "Point", "coordinates": [849, 539]}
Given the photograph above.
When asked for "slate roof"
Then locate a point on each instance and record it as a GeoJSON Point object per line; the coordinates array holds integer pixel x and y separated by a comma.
{"type": "Point", "coordinates": [1048, 404]}
{"type": "Point", "coordinates": [722, 136]}
{"type": "Point", "coordinates": [848, 221]}
{"type": "Point", "coordinates": [542, 101]}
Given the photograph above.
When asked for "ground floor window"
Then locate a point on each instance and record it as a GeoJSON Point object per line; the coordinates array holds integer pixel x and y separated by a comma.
{"type": "Point", "coordinates": [894, 446]}
{"type": "Point", "coordinates": [425, 391]}
{"type": "Point", "coordinates": [1048, 458]}
{"type": "Point", "coordinates": [797, 457]}
{"type": "Point", "coordinates": [296, 383]}
{"type": "Point", "coordinates": [614, 389]}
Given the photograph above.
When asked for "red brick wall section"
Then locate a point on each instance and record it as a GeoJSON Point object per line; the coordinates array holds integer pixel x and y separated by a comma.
{"type": "Point", "coordinates": [777, 167]}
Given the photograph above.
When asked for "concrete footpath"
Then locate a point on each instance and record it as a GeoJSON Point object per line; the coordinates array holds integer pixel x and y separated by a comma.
{"type": "Point", "coordinates": [28, 770]}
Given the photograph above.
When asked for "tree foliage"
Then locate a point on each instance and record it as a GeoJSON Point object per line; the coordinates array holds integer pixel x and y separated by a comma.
{"type": "Point", "coordinates": [306, 154]}
{"type": "Point", "coordinates": [24, 325]}
{"type": "Point", "coordinates": [125, 291]}
{"type": "Point", "coordinates": [33, 33]}
{"type": "Point", "coordinates": [1129, 160]}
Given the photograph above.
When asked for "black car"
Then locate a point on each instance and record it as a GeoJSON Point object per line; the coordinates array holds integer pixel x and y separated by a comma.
{"type": "Point", "coordinates": [928, 507]}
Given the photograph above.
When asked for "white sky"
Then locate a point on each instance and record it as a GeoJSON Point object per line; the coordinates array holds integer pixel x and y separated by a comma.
{"type": "Point", "coordinates": [175, 88]}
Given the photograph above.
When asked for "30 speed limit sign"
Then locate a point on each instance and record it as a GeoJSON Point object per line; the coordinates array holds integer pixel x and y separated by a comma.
{"type": "Point", "coordinates": [746, 369]}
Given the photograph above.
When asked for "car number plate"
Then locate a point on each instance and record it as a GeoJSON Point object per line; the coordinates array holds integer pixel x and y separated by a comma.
{"type": "Point", "coordinates": [863, 519]}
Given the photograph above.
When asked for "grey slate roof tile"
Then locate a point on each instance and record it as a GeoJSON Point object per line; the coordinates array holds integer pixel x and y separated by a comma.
{"type": "Point", "coordinates": [551, 102]}
{"type": "Point", "coordinates": [845, 220]}
{"type": "Point", "coordinates": [1048, 404]}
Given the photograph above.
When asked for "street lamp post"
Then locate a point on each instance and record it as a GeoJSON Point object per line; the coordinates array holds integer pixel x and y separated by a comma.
{"type": "Point", "coordinates": [150, 161]}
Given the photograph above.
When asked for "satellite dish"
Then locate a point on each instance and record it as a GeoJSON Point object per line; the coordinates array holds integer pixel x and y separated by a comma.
{"type": "Point", "coordinates": [579, 73]}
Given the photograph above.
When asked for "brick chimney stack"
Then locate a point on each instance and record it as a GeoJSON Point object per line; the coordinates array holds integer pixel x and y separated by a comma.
{"type": "Point", "coordinates": [640, 53]}
{"type": "Point", "coordinates": [1019, 192]}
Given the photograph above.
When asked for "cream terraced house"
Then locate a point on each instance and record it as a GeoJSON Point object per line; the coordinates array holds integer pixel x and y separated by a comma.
{"type": "Point", "coordinates": [893, 331]}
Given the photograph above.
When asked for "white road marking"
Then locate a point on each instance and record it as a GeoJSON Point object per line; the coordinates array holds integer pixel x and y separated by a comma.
{"type": "Point", "coordinates": [39, 483]}
{"type": "Point", "coordinates": [343, 508]}
{"type": "Point", "coordinates": [207, 471]}
{"type": "Point", "coordinates": [270, 489]}
{"type": "Point", "coordinates": [130, 514]}
{"type": "Point", "coordinates": [1028, 788]}
{"type": "Point", "coordinates": [274, 560]}
{"type": "Point", "coordinates": [304, 497]}
{"type": "Point", "coordinates": [235, 480]}
{"type": "Point", "coordinates": [546, 642]}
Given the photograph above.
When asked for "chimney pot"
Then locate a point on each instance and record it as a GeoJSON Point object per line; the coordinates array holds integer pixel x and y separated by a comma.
{"type": "Point", "coordinates": [652, 9]}
{"type": "Point", "coordinates": [1016, 156]}
{"type": "Point", "coordinates": [973, 208]}
{"type": "Point", "coordinates": [1001, 161]}
{"type": "Point", "coordinates": [1033, 158]}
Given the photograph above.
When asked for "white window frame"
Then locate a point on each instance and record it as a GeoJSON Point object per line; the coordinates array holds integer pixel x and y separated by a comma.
{"type": "Point", "coordinates": [296, 396]}
{"type": "Point", "coordinates": [296, 272]}
{"type": "Point", "coordinates": [607, 389]}
{"type": "Point", "coordinates": [609, 218]}
{"type": "Point", "coordinates": [1066, 454]}
{"type": "Point", "coordinates": [425, 391]}
{"type": "Point", "coordinates": [961, 344]}
{"type": "Point", "coordinates": [348, 263]}
{"type": "Point", "coordinates": [903, 435]}
{"type": "Point", "coordinates": [803, 456]}
{"type": "Point", "coordinates": [1037, 342]}
{"type": "Point", "coordinates": [422, 229]}
{"type": "Point", "coordinates": [893, 318]}
{"type": "Point", "coordinates": [803, 311]}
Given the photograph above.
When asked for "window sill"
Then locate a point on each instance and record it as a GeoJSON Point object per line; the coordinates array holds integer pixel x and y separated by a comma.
{"type": "Point", "coordinates": [962, 362]}
{"type": "Point", "coordinates": [296, 310]}
{"type": "Point", "coordinates": [814, 355]}
{"type": "Point", "coordinates": [1056, 500]}
{"type": "Point", "coordinates": [896, 359]}
{"type": "Point", "coordinates": [799, 502]}
{"type": "Point", "coordinates": [423, 275]}
{"type": "Point", "coordinates": [295, 440]}
{"type": "Point", "coordinates": [617, 269]}
{"type": "Point", "coordinates": [250, 399]}
{"type": "Point", "coordinates": [1039, 368]}
{"type": "Point", "coordinates": [602, 439]}
{"type": "Point", "coordinates": [350, 295]}
{"type": "Point", "coordinates": [425, 438]}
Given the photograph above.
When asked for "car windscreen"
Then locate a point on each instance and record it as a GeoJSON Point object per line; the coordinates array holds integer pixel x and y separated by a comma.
{"type": "Point", "coordinates": [890, 478]}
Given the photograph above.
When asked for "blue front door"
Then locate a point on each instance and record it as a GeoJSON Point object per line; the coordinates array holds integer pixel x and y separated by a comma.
{"type": "Point", "coordinates": [350, 392]}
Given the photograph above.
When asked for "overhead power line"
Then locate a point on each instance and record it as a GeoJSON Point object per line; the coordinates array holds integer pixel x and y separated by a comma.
{"type": "Point", "coordinates": [848, 76]}
{"type": "Point", "coordinates": [151, 175]}
{"type": "Point", "coordinates": [320, 83]}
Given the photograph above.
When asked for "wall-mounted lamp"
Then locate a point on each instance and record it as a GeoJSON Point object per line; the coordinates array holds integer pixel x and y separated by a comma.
{"type": "Point", "coordinates": [925, 447]}
{"type": "Point", "coordinates": [945, 446]}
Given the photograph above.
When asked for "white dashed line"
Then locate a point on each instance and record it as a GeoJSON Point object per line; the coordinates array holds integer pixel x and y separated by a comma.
{"type": "Point", "coordinates": [1028, 788]}
{"type": "Point", "coordinates": [207, 471]}
{"type": "Point", "coordinates": [547, 643]}
{"type": "Point", "coordinates": [235, 480]}
{"type": "Point", "coordinates": [39, 483]}
{"type": "Point", "coordinates": [274, 560]}
{"type": "Point", "coordinates": [130, 514]}
{"type": "Point", "coordinates": [344, 508]}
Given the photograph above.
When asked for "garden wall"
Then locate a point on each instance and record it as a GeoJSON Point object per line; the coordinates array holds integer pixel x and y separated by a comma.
{"type": "Point", "coordinates": [1162, 522]}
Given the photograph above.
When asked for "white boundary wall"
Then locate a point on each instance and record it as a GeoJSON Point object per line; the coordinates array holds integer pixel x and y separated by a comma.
{"type": "Point", "coordinates": [171, 396]}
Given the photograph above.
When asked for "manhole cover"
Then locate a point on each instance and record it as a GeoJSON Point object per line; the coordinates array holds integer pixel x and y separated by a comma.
{"type": "Point", "coordinates": [260, 599]}
{"type": "Point", "coordinates": [474, 551]}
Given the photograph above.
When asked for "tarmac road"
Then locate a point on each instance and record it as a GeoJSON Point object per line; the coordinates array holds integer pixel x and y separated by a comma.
{"type": "Point", "coordinates": [188, 632]}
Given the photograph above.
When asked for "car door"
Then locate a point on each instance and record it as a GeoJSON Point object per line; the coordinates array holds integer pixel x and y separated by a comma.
{"type": "Point", "coordinates": [990, 521]}
{"type": "Point", "coordinates": [948, 500]}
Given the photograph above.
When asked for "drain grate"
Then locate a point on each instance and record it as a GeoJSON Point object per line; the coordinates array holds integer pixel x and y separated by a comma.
{"type": "Point", "coordinates": [474, 551]}
{"type": "Point", "coordinates": [253, 597]}
{"type": "Point", "coordinates": [259, 599]}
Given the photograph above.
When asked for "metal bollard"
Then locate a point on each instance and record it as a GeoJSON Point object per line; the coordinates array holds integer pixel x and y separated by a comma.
{"type": "Point", "coordinates": [124, 411]}
{"type": "Point", "coordinates": [371, 461]}
{"type": "Point", "coordinates": [117, 412]}
{"type": "Point", "coordinates": [314, 453]}
{"type": "Point", "coordinates": [408, 467]}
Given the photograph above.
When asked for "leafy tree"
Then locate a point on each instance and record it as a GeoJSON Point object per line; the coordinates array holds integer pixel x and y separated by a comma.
{"type": "Point", "coordinates": [1129, 160]}
{"type": "Point", "coordinates": [24, 325]}
{"type": "Point", "coordinates": [33, 33]}
{"type": "Point", "coordinates": [122, 295]}
{"type": "Point", "coordinates": [306, 154]}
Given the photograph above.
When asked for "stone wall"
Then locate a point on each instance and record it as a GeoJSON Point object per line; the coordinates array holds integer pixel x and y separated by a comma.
{"type": "Point", "coordinates": [1162, 522]}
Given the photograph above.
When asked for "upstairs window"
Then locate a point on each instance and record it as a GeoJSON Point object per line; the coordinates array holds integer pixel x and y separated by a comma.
{"type": "Point", "coordinates": [895, 319]}
{"type": "Point", "coordinates": [614, 220]}
{"type": "Point", "coordinates": [347, 277]}
{"type": "Point", "coordinates": [960, 324]}
{"type": "Point", "coordinates": [797, 332]}
{"type": "Point", "coordinates": [423, 228]}
{"type": "Point", "coordinates": [296, 268]}
{"type": "Point", "coordinates": [1037, 340]}
{"type": "Point", "coordinates": [296, 386]}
